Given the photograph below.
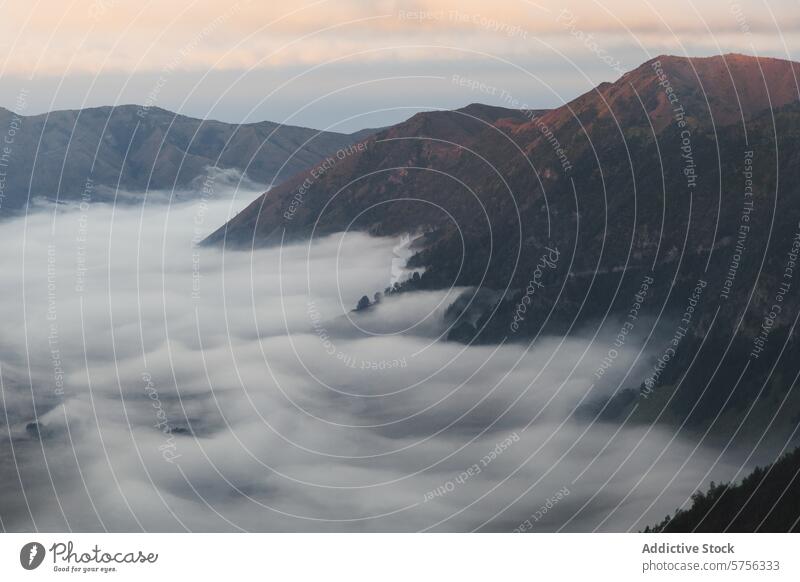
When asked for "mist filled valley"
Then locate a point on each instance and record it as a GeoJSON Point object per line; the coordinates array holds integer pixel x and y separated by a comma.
{"type": "Point", "coordinates": [153, 384]}
{"type": "Point", "coordinates": [490, 318]}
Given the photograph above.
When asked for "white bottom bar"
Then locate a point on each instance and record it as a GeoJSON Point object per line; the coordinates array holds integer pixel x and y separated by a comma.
{"type": "Point", "coordinates": [404, 557]}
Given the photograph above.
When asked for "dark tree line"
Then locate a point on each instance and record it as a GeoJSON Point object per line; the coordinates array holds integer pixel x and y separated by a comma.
{"type": "Point", "coordinates": [767, 500]}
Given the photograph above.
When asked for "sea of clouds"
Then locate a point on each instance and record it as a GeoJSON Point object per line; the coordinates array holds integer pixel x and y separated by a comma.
{"type": "Point", "coordinates": [151, 384]}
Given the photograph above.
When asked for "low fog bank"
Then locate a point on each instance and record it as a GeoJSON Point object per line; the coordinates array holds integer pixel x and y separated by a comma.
{"type": "Point", "coordinates": [149, 384]}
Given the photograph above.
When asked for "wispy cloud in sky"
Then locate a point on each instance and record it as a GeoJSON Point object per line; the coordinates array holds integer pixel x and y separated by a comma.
{"type": "Point", "coordinates": [247, 60]}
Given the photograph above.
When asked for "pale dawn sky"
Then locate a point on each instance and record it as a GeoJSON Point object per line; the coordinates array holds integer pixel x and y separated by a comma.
{"type": "Point", "coordinates": [351, 64]}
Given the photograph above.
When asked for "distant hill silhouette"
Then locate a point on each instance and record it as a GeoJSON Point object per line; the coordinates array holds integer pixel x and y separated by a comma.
{"type": "Point", "coordinates": [54, 154]}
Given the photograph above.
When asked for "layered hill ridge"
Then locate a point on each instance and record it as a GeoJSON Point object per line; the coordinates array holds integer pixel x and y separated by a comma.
{"type": "Point", "coordinates": [705, 93]}
{"type": "Point", "coordinates": [683, 171]}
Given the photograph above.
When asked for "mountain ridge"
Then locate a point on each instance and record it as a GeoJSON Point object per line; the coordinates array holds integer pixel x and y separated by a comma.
{"type": "Point", "coordinates": [607, 101]}
{"type": "Point", "coordinates": [627, 181]}
{"type": "Point", "coordinates": [56, 154]}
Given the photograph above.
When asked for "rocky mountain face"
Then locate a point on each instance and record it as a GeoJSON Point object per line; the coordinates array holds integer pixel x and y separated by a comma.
{"type": "Point", "coordinates": [62, 154]}
{"type": "Point", "coordinates": [681, 177]}
{"type": "Point", "coordinates": [409, 169]}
